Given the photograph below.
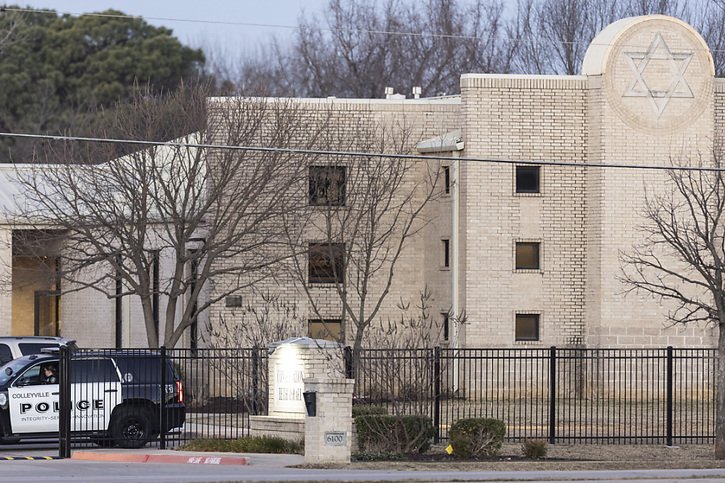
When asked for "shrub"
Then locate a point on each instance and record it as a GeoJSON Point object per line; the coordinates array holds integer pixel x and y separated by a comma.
{"type": "Point", "coordinates": [477, 437]}
{"type": "Point", "coordinates": [383, 434]}
{"type": "Point", "coordinates": [250, 444]}
{"type": "Point", "coordinates": [534, 448]}
{"type": "Point", "coordinates": [366, 410]}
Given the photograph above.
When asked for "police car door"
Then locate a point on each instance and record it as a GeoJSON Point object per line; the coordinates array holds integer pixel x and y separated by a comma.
{"type": "Point", "coordinates": [95, 391]}
{"type": "Point", "coordinates": [33, 405]}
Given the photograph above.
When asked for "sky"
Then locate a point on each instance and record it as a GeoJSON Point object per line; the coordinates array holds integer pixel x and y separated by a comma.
{"type": "Point", "coordinates": [197, 34]}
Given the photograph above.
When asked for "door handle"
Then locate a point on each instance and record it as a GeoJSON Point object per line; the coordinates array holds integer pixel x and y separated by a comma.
{"type": "Point", "coordinates": [110, 390]}
{"type": "Point", "coordinates": [54, 393]}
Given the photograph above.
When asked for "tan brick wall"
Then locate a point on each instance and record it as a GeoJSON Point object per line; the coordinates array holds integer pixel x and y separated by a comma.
{"type": "Point", "coordinates": [422, 118]}
{"type": "Point", "coordinates": [635, 128]}
{"type": "Point", "coordinates": [523, 118]}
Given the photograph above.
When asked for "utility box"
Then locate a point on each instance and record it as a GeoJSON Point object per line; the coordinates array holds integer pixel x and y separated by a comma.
{"type": "Point", "coordinates": [328, 434]}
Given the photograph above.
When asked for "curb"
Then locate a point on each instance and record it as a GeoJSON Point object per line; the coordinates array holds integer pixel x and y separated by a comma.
{"type": "Point", "coordinates": [29, 458]}
{"type": "Point", "coordinates": [159, 458]}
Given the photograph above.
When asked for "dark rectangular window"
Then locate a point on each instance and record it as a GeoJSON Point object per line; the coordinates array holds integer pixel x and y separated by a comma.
{"type": "Point", "coordinates": [527, 256]}
{"type": "Point", "coordinates": [326, 263]}
{"type": "Point", "coordinates": [326, 329]}
{"type": "Point", "coordinates": [5, 354]}
{"type": "Point", "coordinates": [327, 185]}
{"type": "Point", "coordinates": [446, 258]}
{"type": "Point", "coordinates": [34, 348]}
{"type": "Point", "coordinates": [446, 323]}
{"type": "Point", "coordinates": [528, 179]}
{"type": "Point", "coordinates": [155, 287]}
{"type": "Point", "coordinates": [447, 179]}
{"type": "Point", "coordinates": [93, 370]}
{"type": "Point", "coordinates": [527, 326]}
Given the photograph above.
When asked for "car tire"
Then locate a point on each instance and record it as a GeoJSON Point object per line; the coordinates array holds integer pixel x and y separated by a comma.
{"type": "Point", "coordinates": [131, 427]}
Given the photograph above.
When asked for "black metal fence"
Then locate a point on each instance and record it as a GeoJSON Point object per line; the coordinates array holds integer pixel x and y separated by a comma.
{"type": "Point", "coordinates": [129, 396]}
{"type": "Point", "coordinates": [664, 396]}
{"type": "Point", "coordinates": [561, 395]}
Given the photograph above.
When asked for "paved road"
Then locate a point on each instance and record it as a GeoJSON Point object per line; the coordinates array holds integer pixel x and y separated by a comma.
{"type": "Point", "coordinates": [272, 468]}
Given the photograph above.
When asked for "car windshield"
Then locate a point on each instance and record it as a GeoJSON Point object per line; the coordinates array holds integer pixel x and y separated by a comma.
{"type": "Point", "coordinates": [9, 370]}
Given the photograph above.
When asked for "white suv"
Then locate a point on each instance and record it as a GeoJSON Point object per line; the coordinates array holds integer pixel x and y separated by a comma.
{"type": "Point", "coordinates": [14, 347]}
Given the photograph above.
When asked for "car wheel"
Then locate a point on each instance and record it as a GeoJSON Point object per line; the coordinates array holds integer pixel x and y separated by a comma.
{"type": "Point", "coordinates": [131, 427]}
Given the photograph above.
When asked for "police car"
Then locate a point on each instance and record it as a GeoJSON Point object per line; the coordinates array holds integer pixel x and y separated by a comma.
{"type": "Point", "coordinates": [116, 398]}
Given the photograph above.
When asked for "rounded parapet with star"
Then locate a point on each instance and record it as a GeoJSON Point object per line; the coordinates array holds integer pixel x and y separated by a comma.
{"type": "Point", "coordinates": [657, 71]}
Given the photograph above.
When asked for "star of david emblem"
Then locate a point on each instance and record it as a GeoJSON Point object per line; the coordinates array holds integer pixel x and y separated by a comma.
{"type": "Point", "coordinates": [659, 56]}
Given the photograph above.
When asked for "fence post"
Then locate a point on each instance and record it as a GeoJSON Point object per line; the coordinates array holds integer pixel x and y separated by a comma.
{"type": "Point", "coordinates": [162, 402]}
{"type": "Point", "coordinates": [437, 394]}
{"type": "Point", "coordinates": [347, 352]}
{"type": "Point", "coordinates": [255, 380]}
{"type": "Point", "coordinates": [64, 403]}
{"type": "Point", "coordinates": [552, 395]}
{"type": "Point", "coordinates": [669, 395]}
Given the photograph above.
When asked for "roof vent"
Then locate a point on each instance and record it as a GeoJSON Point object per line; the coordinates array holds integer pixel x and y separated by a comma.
{"type": "Point", "coordinates": [390, 94]}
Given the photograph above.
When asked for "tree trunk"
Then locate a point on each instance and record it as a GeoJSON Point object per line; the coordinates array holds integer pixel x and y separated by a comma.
{"type": "Point", "coordinates": [720, 398]}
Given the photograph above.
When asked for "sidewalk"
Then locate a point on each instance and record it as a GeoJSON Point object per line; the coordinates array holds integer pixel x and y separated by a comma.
{"type": "Point", "coordinates": [185, 457]}
{"type": "Point", "coordinates": [151, 465]}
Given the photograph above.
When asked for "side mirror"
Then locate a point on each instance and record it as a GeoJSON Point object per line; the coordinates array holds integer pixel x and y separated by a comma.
{"type": "Point", "coordinates": [23, 382]}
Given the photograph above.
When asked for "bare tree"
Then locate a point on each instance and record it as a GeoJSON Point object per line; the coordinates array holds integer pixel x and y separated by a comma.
{"type": "Point", "coordinates": [269, 319]}
{"type": "Point", "coordinates": [362, 214]}
{"type": "Point", "coordinates": [180, 205]}
{"type": "Point", "coordinates": [357, 48]}
{"type": "Point", "coordinates": [709, 20]}
{"type": "Point", "coordinates": [555, 34]}
{"type": "Point", "coordinates": [682, 259]}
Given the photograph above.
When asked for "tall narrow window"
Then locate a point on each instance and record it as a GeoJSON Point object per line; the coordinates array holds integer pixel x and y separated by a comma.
{"type": "Point", "coordinates": [528, 179]}
{"type": "Point", "coordinates": [155, 288]}
{"type": "Point", "coordinates": [447, 179]}
{"type": "Point", "coordinates": [326, 263]}
{"type": "Point", "coordinates": [194, 327]}
{"type": "Point", "coordinates": [327, 185]}
{"type": "Point", "coordinates": [527, 256]}
{"type": "Point", "coordinates": [527, 327]}
{"type": "Point", "coordinates": [445, 253]}
{"type": "Point", "coordinates": [119, 303]}
{"type": "Point", "coordinates": [446, 324]}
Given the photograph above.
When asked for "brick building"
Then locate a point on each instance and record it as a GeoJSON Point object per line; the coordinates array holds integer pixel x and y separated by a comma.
{"type": "Point", "coordinates": [530, 252]}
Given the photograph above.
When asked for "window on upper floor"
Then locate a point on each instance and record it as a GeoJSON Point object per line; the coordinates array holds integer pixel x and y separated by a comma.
{"type": "Point", "coordinates": [326, 263]}
{"type": "Point", "coordinates": [447, 180]}
{"type": "Point", "coordinates": [528, 256]}
{"type": "Point", "coordinates": [327, 185]}
{"type": "Point", "coordinates": [527, 327]}
{"type": "Point", "coordinates": [528, 179]}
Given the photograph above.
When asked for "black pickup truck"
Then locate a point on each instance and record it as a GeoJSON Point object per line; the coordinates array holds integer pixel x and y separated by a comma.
{"type": "Point", "coordinates": [117, 397]}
